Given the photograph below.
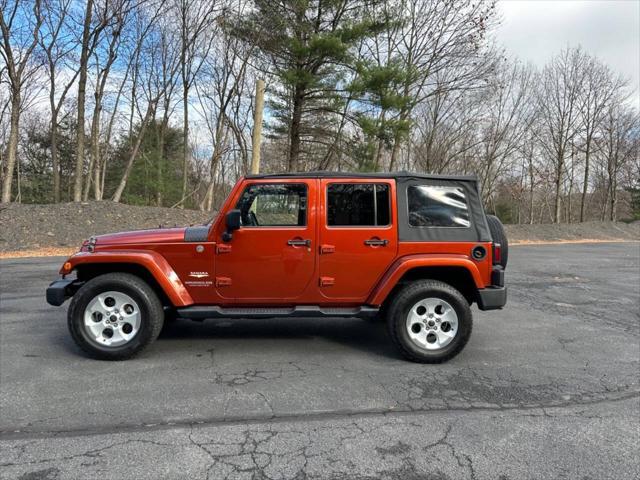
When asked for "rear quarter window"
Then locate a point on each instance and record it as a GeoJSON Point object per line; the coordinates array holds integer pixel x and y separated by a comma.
{"type": "Point", "coordinates": [438, 206]}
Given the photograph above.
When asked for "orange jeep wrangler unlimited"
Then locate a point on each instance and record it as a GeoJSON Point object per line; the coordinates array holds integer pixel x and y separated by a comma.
{"type": "Point", "coordinates": [414, 250]}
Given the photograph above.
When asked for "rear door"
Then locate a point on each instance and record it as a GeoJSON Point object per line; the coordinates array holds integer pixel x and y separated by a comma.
{"type": "Point", "coordinates": [358, 236]}
{"type": "Point", "coordinates": [271, 258]}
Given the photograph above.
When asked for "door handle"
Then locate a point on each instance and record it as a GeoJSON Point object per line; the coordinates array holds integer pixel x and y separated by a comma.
{"type": "Point", "coordinates": [299, 243]}
{"type": "Point", "coordinates": [376, 242]}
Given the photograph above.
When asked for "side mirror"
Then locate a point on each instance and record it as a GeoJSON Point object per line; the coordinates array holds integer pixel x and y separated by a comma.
{"type": "Point", "coordinates": [233, 223]}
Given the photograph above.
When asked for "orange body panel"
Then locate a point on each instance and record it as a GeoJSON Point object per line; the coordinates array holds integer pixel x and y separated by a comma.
{"type": "Point", "coordinates": [258, 267]}
{"type": "Point", "coordinates": [404, 264]}
{"type": "Point", "coordinates": [352, 266]}
{"type": "Point", "coordinates": [154, 262]}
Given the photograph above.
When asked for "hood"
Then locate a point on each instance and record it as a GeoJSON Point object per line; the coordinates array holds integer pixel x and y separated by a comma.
{"type": "Point", "coordinates": [156, 235]}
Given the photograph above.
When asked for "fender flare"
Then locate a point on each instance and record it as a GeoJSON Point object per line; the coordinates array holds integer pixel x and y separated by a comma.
{"type": "Point", "coordinates": [401, 266]}
{"type": "Point", "coordinates": [153, 262]}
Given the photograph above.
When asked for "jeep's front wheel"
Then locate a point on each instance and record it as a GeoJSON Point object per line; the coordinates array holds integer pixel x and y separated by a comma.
{"type": "Point", "coordinates": [429, 321]}
{"type": "Point", "coordinates": [115, 316]}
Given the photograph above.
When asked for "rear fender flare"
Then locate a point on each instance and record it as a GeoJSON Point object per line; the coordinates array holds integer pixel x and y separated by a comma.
{"type": "Point", "coordinates": [409, 262]}
{"type": "Point", "coordinates": [152, 261]}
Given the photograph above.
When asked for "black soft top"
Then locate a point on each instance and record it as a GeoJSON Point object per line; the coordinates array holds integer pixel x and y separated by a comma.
{"type": "Point", "coordinates": [477, 232]}
{"type": "Point", "coordinates": [396, 175]}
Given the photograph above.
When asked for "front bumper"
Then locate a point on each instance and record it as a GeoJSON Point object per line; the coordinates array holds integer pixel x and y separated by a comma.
{"type": "Point", "coordinates": [492, 298]}
{"type": "Point", "coordinates": [60, 290]}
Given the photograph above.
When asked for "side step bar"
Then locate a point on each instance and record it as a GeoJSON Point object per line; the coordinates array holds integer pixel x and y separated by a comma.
{"type": "Point", "coordinates": [203, 312]}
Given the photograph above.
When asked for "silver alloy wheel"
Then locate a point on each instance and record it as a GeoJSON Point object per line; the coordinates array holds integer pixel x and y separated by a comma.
{"type": "Point", "coordinates": [432, 323]}
{"type": "Point", "coordinates": [112, 319]}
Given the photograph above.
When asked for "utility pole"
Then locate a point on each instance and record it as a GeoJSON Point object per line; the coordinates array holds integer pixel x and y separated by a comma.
{"type": "Point", "coordinates": [257, 127]}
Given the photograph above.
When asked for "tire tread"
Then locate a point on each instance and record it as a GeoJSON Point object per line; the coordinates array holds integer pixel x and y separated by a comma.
{"type": "Point", "coordinates": [155, 318]}
{"type": "Point", "coordinates": [407, 292]}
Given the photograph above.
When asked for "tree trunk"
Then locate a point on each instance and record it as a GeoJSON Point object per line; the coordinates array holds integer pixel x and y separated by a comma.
{"type": "Point", "coordinates": [220, 142]}
{"type": "Point", "coordinates": [531, 190]}
{"type": "Point", "coordinates": [296, 120]}
{"type": "Point", "coordinates": [571, 178]}
{"type": "Point", "coordinates": [95, 154]}
{"type": "Point", "coordinates": [394, 152]}
{"type": "Point", "coordinates": [613, 216]}
{"type": "Point", "coordinates": [380, 145]}
{"type": "Point", "coordinates": [159, 173]}
{"type": "Point", "coordinates": [53, 138]}
{"type": "Point", "coordinates": [585, 183]}
{"type": "Point", "coordinates": [12, 147]}
{"type": "Point", "coordinates": [134, 153]}
{"type": "Point", "coordinates": [605, 202]}
{"type": "Point", "coordinates": [185, 144]}
{"type": "Point", "coordinates": [82, 88]}
{"type": "Point", "coordinates": [557, 204]}
{"type": "Point", "coordinates": [93, 174]}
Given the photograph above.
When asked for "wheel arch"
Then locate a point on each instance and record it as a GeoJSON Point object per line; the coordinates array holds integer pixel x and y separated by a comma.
{"type": "Point", "coordinates": [150, 267]}
{"type": "Point", "coordinates": [457, 271]}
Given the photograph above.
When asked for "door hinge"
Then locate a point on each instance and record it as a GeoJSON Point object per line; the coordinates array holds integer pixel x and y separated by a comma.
{"type": "Point", "coordinates": [327, 281]}
{"type": "Point", "coordinates": [223, 282]}
{"type": "Point", "coordinates": [326, 248]}
{"type": "Point", "coordinates": [222, 248]}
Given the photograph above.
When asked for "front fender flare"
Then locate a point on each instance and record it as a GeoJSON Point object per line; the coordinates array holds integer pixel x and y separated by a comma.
{"type": "Point", "coordinates": [409, 262]}
{"type": "Point", "coordinates": [152, 261]}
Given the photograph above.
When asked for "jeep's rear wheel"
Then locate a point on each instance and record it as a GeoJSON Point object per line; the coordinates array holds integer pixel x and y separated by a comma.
{"type": "Point", "coordinates": [115, 316]}
{"type": "Point", "coordinates": [429, 321]}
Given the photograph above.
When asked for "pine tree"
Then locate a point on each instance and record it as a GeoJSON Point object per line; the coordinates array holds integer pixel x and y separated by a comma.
{"type": "Point", "coordinates": [307, 45]}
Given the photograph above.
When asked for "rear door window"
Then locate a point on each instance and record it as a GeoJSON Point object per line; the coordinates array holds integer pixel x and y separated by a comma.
{"type": "Point", "coordinates": [358, 204]}
{"type": "Point", "coordinates": [437, 206]}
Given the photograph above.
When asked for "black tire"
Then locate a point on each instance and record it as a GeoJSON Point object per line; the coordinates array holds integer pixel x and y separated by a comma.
{"type": "Point", "coordinates": [151, 315]}
{"type": "Point", "coordinates": [499, 236]}
{"type": "Point", "coordinates": [400, 307]}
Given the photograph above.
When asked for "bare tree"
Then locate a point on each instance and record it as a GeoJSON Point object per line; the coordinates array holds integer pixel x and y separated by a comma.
{"type": "Point", "coordinates": [97, 17]}
{"type": "Point", "coordinates": [152, 91]}
{"type": "Point", "coordinates": [225, 73]}
{"type": "Point", "coordinates": [558, 104]}
{"type": "Point", "coordinates": [619, 144]}
{"type": "Point", "coordinates": [600, 87]}
{"type": "Point", "coordinates": [441, 37]}
{"type": "Point", "coordinates": [114, 33]}
{"type": "Point", "coordinates": [443, 132]}
{"type": "Point", "coordinates": [195, 18]}
{"type": "Point", "coordinates": [169, 69]}
{"type": "Point", "coordinates": [113, 45]}
{"type": "Point", "coordinates": [58, 43]}
{"type": "Point", "coordinates": [20, 33]}
{"type": "Point", "coordinates": [508, 117]}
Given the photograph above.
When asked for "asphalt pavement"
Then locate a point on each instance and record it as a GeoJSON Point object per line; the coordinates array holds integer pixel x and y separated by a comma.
{"type": "Point", "coordinates": [546, 388]}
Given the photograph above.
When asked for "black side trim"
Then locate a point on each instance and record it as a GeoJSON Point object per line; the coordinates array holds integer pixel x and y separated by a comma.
{"type": "Point", "coordinates": [60, 290]}
{"type": "Point", "coordinates": [202, 312]}
{"type": "Point", "coordinates": [492, 298]}
{"type": "Point", "coordinates": [196, 234]}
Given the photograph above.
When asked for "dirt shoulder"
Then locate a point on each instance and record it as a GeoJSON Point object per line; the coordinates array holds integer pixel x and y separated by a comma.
{"type": "Point", "coordinates": [63, 226]}
{"type": "Point", "coordinates": [46, 230]}
{"type": "Point", "coordinates": [576, 232]}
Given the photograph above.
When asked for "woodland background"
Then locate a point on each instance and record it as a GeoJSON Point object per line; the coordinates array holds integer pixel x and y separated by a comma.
{"type": "Point", "coordinates": [150, 102]}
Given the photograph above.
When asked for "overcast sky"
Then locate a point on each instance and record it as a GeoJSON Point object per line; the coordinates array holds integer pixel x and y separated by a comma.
{"type": "Point", "coordinates": [535, 30]}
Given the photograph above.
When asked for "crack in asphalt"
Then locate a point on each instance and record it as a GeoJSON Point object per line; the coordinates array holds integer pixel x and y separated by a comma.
{"type": "Point", "coordinates": [243, 420]}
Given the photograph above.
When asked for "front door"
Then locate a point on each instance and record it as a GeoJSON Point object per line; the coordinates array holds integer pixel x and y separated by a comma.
{"type": "Point", "coordinates": [358, 236]}
{"type": "Point", "coordinates": [271, 257]}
